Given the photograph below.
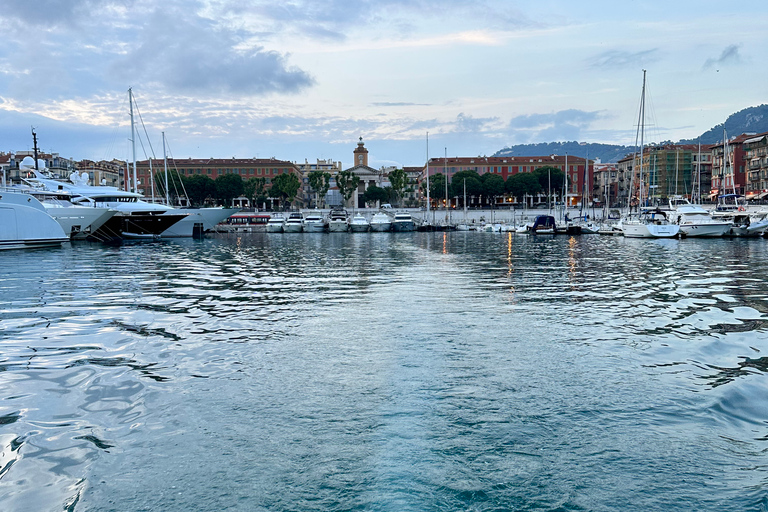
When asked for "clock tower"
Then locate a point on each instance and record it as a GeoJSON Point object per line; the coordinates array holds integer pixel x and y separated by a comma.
{"type": "Point", "coordinates": [361, 154]}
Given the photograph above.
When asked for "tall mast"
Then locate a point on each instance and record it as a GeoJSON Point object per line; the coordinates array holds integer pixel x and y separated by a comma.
{"type": "Point", "coordinates": [698, 175]}
{"type": "Point", "coordinates": [133, 142]}
{"type": "Point", "coordinates": [565, 190]}
{"type": "Point", "coordinates": [165, 166]}
{"type": "Point", "coordinates": [427, 217]}
{"type": "Point", "coordinates": [34, 148]}
{"type": "Point", "coordinates": [445, 170]}
{"type": "Point", "coordinates": [642, 147]}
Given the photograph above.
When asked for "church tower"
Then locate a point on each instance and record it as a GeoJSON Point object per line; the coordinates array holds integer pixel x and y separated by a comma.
{"type": "Point", "coordinates": [361, 154]}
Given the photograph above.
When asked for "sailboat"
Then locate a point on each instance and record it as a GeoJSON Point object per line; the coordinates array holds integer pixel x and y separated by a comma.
{"type": "Point", "coordinates": [464, 226]}
{"type": "Point", "coordinates": [649, 223]}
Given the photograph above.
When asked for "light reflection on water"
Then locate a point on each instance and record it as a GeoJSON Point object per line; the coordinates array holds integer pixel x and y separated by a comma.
{"type": "Point", "coordinates": [423, 371]}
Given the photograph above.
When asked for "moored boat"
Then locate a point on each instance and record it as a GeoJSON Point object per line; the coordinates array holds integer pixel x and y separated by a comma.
{"type": "Point", "coordinates": [276, 223]}
{"type": "Point", "coordinates": [381, 222]}
{"type": "Point", "coordinates": [338, 221]}
{"type": "Point", "coordinates": [314, 222]}
{"type": "Point", "coordinates": [359, 224]}
{"type": "Point", "coordinates": [24, 223]}
{"type": "Point", "coordinates": [403, 221]}
{"type": "Point", "coordinates": [294, 223]}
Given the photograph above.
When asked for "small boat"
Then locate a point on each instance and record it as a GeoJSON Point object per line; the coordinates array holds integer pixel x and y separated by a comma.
{"type": "Point", "coordinates": [276, 223]}
{"type": "Point", "coordinates": [24, 223]}
{"type": "Point", "coordinates": [314, 222]}
{"type": "Point", "coordinates": [338, 221]}
{"type": "Point", "coordinates": [381, 222]}
{"type": "Point", "coordinates": [359, 224]}
{"type": "Point", "coordinates": [294, 223]}
{"type": "Point", "coordinates": [403, 222]}
{"type": "Point", "coordinates": [543, 225]}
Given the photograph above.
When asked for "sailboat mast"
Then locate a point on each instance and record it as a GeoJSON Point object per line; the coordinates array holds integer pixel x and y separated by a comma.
{"type": "Point", "coordinates": [445, 171]}
{"type": "Point", "coordinates": [698, 175]}
{"type": "Point", "coordinates": [642, 146]}
{"type": "Point", "coordinates": [133, 142]}
{"type": "Point", "coordinates": [165, 166]}
{"type": "Point", "coordinates": [565, 190]}
{"type": "Point", "coordinates": [427, 217]}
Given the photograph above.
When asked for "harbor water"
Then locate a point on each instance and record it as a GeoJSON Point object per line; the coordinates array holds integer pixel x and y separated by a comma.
{"type": "Point", "coordinates": [385, 372]}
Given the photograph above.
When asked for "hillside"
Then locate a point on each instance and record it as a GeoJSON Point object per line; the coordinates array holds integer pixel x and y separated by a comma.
{"type": "Point", "coordinates": [749, 120]}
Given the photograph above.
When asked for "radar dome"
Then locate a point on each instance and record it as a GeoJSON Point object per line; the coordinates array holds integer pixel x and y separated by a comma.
{"type": "Point", "coordinates": [27, 163]}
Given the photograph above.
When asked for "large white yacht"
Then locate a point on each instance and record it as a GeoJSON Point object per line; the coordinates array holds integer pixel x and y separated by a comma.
{"type": "Point", "coordinates": [276, 223]}
{"type": "Point", "coordinates": [695, 221]}
{"type": "Point", "coordinates": [294, 223]}
{"type": "Point", "coordinates": [25, 223]}
{"type": "Point", "coordinates": [359, 224]}
{"type": "Point", "coordinates": [314, 222]}
{"type": "Point", "coordinates": [338, 221]}
{"type": "Point", "coordinates": [140, 217]}
{"type": "Point", "coordinates": [403, 222]}
{"type": "Point", "coordinates": [381, 222]}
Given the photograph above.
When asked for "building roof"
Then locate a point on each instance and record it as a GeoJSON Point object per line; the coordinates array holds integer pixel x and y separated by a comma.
{"type": "Point", "coordinates": [221, 162]}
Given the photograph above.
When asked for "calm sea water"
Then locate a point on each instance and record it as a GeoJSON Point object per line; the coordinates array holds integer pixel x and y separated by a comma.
{"type": "Point", "coordinates": [385, 372]}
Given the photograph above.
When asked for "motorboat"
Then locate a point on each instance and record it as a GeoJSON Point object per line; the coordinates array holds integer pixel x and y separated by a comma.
{"type": "Point", "coordinates": [276, 223]}
{"type": "Point", "coordinates": [543, 225]}
{"type": "Point", "coordinates": [77, 221]}
{"type": "Point", "coordinates": [381, 222]}
{"type": "Point", "coordinates": [403, 221]}
{"type": "Point", "coordinates": [338, 221]}
{"type": "Point", "coordinates": [294, 223]}
{"type": "Point", "coordinates": [695, 221]}
{"type": "Point", "coordinates": [135, 217]}
{"type": "Point", "coordinates": [25, 223]}
{"type": "Point", "coordinates": [314, 222]}
{"type": "Point", "coordinates": [745, 222]}
{"type": "Point", "coordinates": [359, 224]}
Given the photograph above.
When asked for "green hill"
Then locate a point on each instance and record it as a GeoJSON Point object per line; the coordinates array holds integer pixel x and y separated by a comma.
{"type": "Point", "coordinates": [749, 120]}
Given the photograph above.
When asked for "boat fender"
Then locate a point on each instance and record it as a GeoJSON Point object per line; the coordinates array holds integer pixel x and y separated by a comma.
{"type": "Point", "coordinates": [741, 209]}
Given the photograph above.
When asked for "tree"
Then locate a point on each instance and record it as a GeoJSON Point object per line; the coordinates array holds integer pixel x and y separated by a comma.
{"type": "Point", "coordinates": [254, 188]}
{"type": "Point", "coordinates": [199, 188]}
{"type": "Point", "coordinates": [493, 186]}
{"type": "Point", "coordinates": [347, 183]}
{"type": "Point", "coordinates": [522, 184]}
{"type": "Point", "coordinates": [437, 187]}
{"type": "Point", "coordinates": [228, 187]}
{"type": "Point", "coordinates": [320, 182]}
{"type": "Point", "coordinates": [550, 178]}
{"type": "Point", "coordinates": [399, 181]}
{"type": "Point", "coordinates": [374, 193]}
{"type": "Point", "coordinates": [474, 185]}
{"type": "Point", "coordinates": [285, 186]}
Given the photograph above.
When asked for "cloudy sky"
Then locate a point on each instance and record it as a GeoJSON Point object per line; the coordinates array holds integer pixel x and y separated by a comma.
{"type": "Point", "coordinates": [297, 80]}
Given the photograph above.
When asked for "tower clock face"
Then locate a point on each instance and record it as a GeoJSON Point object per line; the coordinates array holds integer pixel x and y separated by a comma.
{"type": "Point", "coordinates": [360, 158]}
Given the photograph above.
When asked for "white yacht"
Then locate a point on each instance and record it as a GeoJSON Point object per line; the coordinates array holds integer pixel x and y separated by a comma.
{"type": "Point", "coordinates": [359, 224]}
{"type": "Point", "coordinates": [381, 222]}
{"type": "Point", "coordinates": [294, 223]}
{"type": "Point", "coordinates": [25, 223]}
{"type": "Point", "coordinates": [77, 221]}
{"type": "Point", "coordinates": [744, 220]}
{"type": "Point", "coordinates": [276, 223]}
{"type": "Point", "coordinates": [131, 205]}
{"type": "Point", "coordinates": [338, 221]}
{"type": "Point", "coordinates": [314, 222]}
{"type": "Point", "coordinates": [403, 222]}
{"type": "Point", "coordinates": [695, 221]}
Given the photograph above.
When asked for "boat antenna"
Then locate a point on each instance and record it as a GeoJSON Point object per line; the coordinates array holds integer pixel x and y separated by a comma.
{"type": "Point", "coordinates": [34, 147]}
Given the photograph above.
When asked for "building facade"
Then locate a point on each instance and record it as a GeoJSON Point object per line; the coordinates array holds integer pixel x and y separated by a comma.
{"type": "Point", "coordinates": [756, 156]}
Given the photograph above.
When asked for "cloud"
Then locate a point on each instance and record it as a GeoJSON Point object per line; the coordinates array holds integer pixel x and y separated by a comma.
{"type": "Point", "coordinates": [730, 56]}
{"type": "Point", "coordinates": [54, 12]}
{"type": "Point", "coordinates": [398, 104]}
{"type": "Point", "coordinates": [186, 52]}
{"type": "Point", "coordinates": [465, 123]}
{"type": "Point", "coordinates": [557, 126]}
{"type": "Point", "coordinates": [622, 59]}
